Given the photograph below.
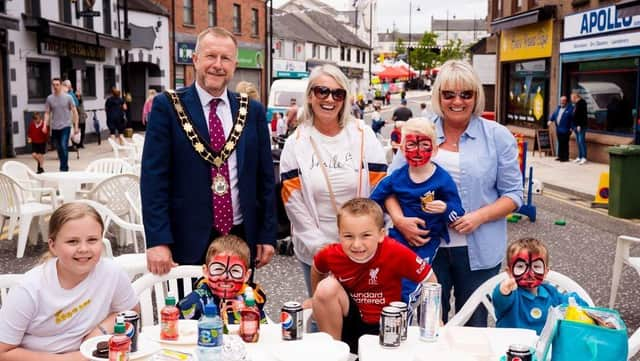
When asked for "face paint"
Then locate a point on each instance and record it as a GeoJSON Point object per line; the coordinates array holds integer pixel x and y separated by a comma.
{"type": "Point", "coordinates": [226, 275]}
{"type": "Point", "coordinates": [527, 269]}
{"type": "Point", "coordinates": [417, 149]}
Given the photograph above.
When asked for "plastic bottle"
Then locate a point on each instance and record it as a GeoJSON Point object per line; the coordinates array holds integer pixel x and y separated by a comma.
{"type": "Point", "coordinates": [119, 343]}
{"type": "Point", "coordinates": [576, 313]}
{"type": "Point", "coordinates": [209, 334]}
{"type": "Point", "coordinates": [169, 319]}
{"type": "Point", "coordinates": [250, 318]}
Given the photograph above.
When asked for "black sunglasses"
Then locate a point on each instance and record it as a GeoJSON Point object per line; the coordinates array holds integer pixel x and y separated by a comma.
{"type": "Point", "coordinates": [450, 94]}
{"type": "Point", "coordinates": [322, 92]}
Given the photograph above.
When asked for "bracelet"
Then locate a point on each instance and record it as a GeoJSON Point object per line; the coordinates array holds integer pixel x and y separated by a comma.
{"type": "Point", "coordinates": [104, 332]}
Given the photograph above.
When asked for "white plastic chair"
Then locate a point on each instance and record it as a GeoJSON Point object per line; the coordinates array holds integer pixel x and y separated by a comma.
{"type": "Point", "coordinates": [622, 256]}
{"type": "Point", "coordinates": [483, 294]}
{"type": "Point", "coordinates": [18, 208]}
{"type": "Point", "coordinates": [133, 198]}
{"type": "Point", "coordinates": [133, 264]}
{"type": "Point", "coordinates": [26, 177]}
{"type": "Point", "coordinates": [6, 282]}
{"type": "Point", "coordinates": [125, 151]}
{"type": "Point", "coordinates": [634, 344]}
{"type": "Point", "coordinates": [152, 290]}
{"type": "Point", "coordinates": [109, 217]}
{"type": "Point", "coordinates": [109, 166]}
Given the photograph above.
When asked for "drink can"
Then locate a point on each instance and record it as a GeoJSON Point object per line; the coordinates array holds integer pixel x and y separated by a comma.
{"type": "Point", "coordinates": [404, 311]}
{"type": "Point", "coordinates": [292, 321]}
{"type": "Point", "coordinates": [430, 309]}
{"type": "Point", "coordinates": [132, 327]}
{"type": "Point", "coordinates": [390, 327]}
{"type": "Point", "coordinates": [519, 353]}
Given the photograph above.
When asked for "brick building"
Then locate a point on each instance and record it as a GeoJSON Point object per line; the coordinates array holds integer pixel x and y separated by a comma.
{"type": "Point", "coordinates": [244, 18]}
{"type": "Point", "coordinates": [549, 48]}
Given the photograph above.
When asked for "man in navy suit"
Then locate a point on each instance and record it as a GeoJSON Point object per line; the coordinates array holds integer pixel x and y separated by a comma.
{"type": "Point", "coordinates": [561, 118]}
{"type": "Point", "coordinates": [179, 187]}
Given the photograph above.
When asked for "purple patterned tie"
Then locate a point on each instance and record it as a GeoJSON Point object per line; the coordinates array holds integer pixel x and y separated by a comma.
{"type": "Point", "coordinates": [222, 210]}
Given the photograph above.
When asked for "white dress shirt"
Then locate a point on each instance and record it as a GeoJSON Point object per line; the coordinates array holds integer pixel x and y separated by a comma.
{"type": "Point", "coordinates": [224, 113]}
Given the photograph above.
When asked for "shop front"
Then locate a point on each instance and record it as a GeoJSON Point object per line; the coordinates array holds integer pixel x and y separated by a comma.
{"type": "Point", "coordinates": [6, 135]}
{"type": "Point", "coordinates": [289, 69]}
{"type": "Point", "coordinates": [525, 63]}
{"type": "Point", "coordinates": [250, 65]}
{"type": "Point", "coordinates": [600, 58]}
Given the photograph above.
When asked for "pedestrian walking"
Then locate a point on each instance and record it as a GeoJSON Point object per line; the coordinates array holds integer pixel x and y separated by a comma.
{"type": "Point", "coordinates": [115, 107]}
{"type": "Point", "coordinates": [59, 116]}
{"type": "Point", "coordinates": [37, 137]}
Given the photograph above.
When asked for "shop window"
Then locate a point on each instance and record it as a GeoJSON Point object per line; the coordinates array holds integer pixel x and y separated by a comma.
{"type": "Point", "coordinates": [109, 79]}
{"type": "Point", "coordinates": [89, 81]}
{"type": "Point", "coordinates": [609, 87]}
{"type": "Point", "coordinates": [38, 80]}
{"type": "Point", "coordinates": [237, 21]}
{"type": "Point", "coordinates": [106, 16]}
{"type": "Point", "coordinates": [254, 23]}
{"type": "Point", "coordinates": [187, 12]}
{"type": "Point", "coordinates": [211, 11]}
{"type": "Point", "coordinates": [527, 93]}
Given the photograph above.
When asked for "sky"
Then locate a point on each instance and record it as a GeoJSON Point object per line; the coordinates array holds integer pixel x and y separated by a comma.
{"type": "Point", "coordinates": [390, 11]}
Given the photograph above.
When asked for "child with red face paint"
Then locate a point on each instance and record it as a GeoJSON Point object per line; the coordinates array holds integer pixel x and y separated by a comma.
{"type": "Point", "coordinates": [225, 276]}
{"type": "Point", "coordinates": [424, 190]}
{"type": "Point", "coordinates": [522, 300]}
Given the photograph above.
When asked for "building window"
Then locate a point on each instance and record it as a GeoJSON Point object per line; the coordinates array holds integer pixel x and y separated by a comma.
{"type": "Point", "coordinates": [237, 21]}
{"type": "Point", "coordinates": [106, 16]}
{"type": "Point", "coordinates": [499, 8]}
{"type": "Point", "coordinates": [254, 23]}
{"type": "Point", "coordinates": [293, 49]}
{"type": "Point", "coordinates": [87, 21]}
{"type": "Point", "coordinates": [279, 45]}
{"type": "Point", "coordinates": [3, 6]}
{"type": "Point", "coordinates": [89, 81]}
{"type": "Point", "coordinates": [187, 12]}
{"type": "Point", "coordinates": [342, 53]}
{"type": "Point", "coordinates": [65, 10]}
{"type": "Point", "coordinates": [348, 54]}
{"type": "Point", "coordinates": [211, 11]}
{"type": "Point", "coordinates": [327, 52]}
{"type": "Point", "coordinates": [109, 79]}
{"type": "Point", "coordinates": [364, 57]}
{"type": "Point", "coordinates": [38, 80]}
{"type": "Point", "coordinates": [516, 6]}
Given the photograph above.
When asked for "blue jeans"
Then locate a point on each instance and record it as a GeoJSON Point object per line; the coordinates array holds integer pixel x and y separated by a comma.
{"type": "Point", "coordinates": [451, 266]}
{"type": "Point", "coordinates": [306, 272]}
{"type": "Point", "coordinates": [60, 139]}
{"type": "Point", "coordinates": [581, 142]}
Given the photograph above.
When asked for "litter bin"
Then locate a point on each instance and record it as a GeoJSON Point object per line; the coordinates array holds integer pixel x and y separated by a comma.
{"type": "Point", "coordinates": [624, 177]}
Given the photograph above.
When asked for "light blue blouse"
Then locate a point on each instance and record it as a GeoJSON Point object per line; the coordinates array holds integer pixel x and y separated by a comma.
{"type": "Point", "coordinates": [489, 169]}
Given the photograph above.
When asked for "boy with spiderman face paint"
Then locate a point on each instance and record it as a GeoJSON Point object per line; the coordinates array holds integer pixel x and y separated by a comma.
{"type": "Point", "coordinates": [424, 190]}
{"type": "Point", "coordinates": [225, 277]}
{"type": "Point", "coordinates": [522, 300]}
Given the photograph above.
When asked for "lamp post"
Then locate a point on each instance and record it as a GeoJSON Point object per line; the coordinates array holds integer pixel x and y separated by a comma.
{"type": "Point", "coordinates": [409, 45]}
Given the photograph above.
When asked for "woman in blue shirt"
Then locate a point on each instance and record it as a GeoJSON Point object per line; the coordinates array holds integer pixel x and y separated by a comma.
{"type": "Point", "coordinates": [482, 158]}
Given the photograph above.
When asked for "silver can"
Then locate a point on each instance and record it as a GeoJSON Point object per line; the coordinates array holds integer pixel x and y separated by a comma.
{"type": "Point", "coordinates": [133, 328]}
{"type": "Point", "coordinates": [430, 309]}
{"type": "Point", "coordinates": [390, 327]}
{"type": "Point", "coordinates": [404, 311]}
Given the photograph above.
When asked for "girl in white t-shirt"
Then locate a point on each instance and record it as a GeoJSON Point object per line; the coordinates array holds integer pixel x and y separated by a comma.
{"type": "Point", "coordinates": [72, 296]}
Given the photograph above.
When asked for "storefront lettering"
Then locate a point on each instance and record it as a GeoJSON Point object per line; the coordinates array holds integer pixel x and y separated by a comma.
{"type": "Point", "coordinates": [605, 19]}
{"type": "Point", "coordinates": [61, 47]}
{"type": "Point", "coordinates": [529, 40]}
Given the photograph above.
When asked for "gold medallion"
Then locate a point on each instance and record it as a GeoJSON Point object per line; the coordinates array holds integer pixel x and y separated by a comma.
{"type": "Point", "coordinates": [220, 186]}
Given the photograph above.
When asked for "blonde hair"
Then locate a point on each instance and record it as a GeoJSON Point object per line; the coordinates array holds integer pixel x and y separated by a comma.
{"type": "Point", "coordinates": [362, 207]}
{"type": "Point", "coordinates": [249, 88]}
{"type": "Point", "coordinates": [332, 71]}
{"type": "Point", "coordinates": [70, 212]}
{"type": "Point", "coordinates": [457, 74]}
{"type": "Point", "coordinates": [216, 32]}
{"type": "Point", "coordinates": [530, 244]}
{"type": "Point", "coordinates": [151, 93]}
{"type": "Point", "coordinates": [230, 244]}
{"type": "Point", "coordinates": [422, 126]}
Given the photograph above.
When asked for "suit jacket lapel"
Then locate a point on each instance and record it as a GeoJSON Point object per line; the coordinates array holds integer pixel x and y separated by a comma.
{"type": "Point", "coordinates": [193, 107]}
{"type": "Point", "coordinates": [235, 106]}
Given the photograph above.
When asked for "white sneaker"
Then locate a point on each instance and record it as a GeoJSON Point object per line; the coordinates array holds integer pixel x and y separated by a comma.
{"type": "Point", "coordinates": [577, 160]}
{"type": "Point", "coordinates": [582, 161]}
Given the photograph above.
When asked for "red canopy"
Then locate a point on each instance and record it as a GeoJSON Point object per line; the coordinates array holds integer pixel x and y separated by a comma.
{"type": "Point", "coordinates": [392, 73]}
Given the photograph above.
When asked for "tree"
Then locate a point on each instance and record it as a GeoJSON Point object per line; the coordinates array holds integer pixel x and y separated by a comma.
{"type": "Point", "coordinates": [425, 55]}
{"type": "Point", "coordinates": [400, 47]}
{"type": "Point", "coordinates": [453, 50]}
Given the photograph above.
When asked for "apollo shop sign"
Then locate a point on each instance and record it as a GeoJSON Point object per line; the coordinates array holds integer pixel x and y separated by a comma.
{"type": "Point", "coordinates": [597, 21]}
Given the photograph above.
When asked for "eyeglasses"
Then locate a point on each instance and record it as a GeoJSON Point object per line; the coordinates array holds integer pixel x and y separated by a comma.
{"type": "Point", "coordinates": [322, 92]}
{"type": "Point", "coordinates": [450, 94]}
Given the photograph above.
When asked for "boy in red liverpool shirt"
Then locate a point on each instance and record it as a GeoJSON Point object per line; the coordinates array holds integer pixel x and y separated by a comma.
{"type": "Point", "coordinates": [37, 136]}
{"type": "Point", "coordinates": [367, 269]}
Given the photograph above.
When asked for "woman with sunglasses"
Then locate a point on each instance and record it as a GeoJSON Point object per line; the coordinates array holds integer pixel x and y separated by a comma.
{"type": "Point", "coordinates": [329, 159]}
{"type": "Point", "coordinates": [482, 158]}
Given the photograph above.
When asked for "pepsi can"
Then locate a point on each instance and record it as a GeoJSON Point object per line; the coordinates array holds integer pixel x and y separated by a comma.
{"type": "Point", "coordinates": [404, 311]}
{"type": "Point", "coordinates": [519, 353]}
{"type": "Point", "coordinates": [292, 321]}
{"type": "Point", "coordinates": [132, 325]}
{"type": "Point", "coordinates": [390, 327]}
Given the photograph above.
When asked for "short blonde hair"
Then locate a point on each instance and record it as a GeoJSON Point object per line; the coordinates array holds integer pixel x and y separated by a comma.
{"type": "Point", "coordinates": [362, 207]}
{"type": "Point", "coordinates": [332, 71]}
{"type": "Point", "coordinates": [457, 74]}
{"type": "Point", "coordinates": [66, 213]}
{"type": "Point", "coordinates": [530, 244]}
{"type": "Point", "coordinates": [249, 89]}
{"type": "Point", "coordinates": [229, 244]}
{"type": "Point", "coordinates": [216, 32]}
{"type": "Point", "coordinates": [422, 126]}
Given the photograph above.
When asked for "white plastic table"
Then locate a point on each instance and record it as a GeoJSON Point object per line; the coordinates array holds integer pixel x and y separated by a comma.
{"type": "Point", "coordinates": [68, 183]}
{"type": "Point", "coordinates": [270, 347]}
{"type": "Point", "coordinates": [453, 343]}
